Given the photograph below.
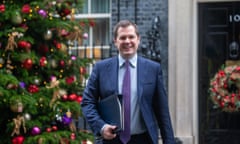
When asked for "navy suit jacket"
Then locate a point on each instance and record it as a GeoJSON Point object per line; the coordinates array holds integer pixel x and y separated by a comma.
{"type": "Point", "coordinates": [153, 100]}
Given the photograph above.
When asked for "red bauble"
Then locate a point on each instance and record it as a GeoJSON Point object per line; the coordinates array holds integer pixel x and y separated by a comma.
{"type": "Point", "coordinates": [54, 128]}
{"type": "Point", "coordinates": [33, 88]}
{"type": "Point", "coordinates": [27, 63]}
{"type": "Point", "coordinates": [18, 140]}
{"type": "Point", "coordinates": [72, 97]}
{"type": "Point", "coordinates": [48, 129]}
{"type": "Point", "coordinates": [69, 80]}
{"type": "Point", "coordinates": [72, 136]}
{"type": "Point", "coordinates": [26, 9]}
{"type": "Point", "coordinates": [79, 99]}
{"type": "Point", "coordinates": [24, 45]}
{"type": "Point", "coordinates": [64, 97]}
{"type": "Point", "coordinates": [61, 63]}
{"type": "Point", "coordinates": [43, 61]}
{"type": "Point", "coordinates": [2, 8]}
{"type": "Point", "coordinates": [66, 11]}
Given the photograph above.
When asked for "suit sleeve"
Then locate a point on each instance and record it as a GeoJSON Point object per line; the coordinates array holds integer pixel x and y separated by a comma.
{"type": "Point", "coordinates": [161, 109]}
{"type": "Point", "coordinates": [89, 102]}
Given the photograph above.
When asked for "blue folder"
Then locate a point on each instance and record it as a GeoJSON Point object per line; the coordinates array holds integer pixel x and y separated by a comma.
{"type": "Point", "coordinates": [110, 110]}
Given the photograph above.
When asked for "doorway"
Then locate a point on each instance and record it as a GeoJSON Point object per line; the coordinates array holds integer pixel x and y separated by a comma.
{"type": "Point", "coordinates": [219, 27]}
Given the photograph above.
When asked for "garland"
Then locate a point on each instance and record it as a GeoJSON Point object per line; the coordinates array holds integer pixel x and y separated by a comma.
{"type": "Point", "coordinates": [225, 89]}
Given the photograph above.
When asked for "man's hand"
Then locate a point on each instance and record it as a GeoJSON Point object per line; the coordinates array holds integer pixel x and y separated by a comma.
{"type": "Point", "coordinates": [108, 132]}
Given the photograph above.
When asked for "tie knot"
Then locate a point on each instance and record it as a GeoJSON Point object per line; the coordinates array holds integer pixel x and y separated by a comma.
{"type": "Point", "coordinates": [127, 63]}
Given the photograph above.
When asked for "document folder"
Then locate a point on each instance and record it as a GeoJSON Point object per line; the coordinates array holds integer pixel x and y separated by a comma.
{"type": "Point", "coordinates": [110, 110]}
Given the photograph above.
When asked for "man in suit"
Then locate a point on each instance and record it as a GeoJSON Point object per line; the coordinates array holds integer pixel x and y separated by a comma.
{"type": "Point", "coordinates": [148, 100]}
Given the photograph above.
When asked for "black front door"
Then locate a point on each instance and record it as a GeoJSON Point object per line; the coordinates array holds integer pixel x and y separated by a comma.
{"type": "Point", "coordinates": [219, 28]}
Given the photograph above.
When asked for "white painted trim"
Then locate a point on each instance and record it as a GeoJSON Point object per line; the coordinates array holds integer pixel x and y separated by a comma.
{"type": "Point", "coordinates": [195, 74]}
{"type": "Point", "coordinates": [93, 15]}
{"type": "Point", "coordinates": [216, 0]}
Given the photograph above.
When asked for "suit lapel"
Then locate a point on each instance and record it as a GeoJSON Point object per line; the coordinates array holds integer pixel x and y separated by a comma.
{"type": "Point", "coordinates": [141, 75]}
{"type": "Point", "coordinates": [112, 73]}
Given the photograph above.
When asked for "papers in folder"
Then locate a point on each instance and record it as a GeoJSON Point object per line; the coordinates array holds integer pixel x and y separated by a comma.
{"type": "Point", "coordinates": [110, 110]}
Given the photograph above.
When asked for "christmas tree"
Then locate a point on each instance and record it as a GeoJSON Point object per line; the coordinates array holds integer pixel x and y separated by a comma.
{"type": "Point", "coordinates": [41, 82]}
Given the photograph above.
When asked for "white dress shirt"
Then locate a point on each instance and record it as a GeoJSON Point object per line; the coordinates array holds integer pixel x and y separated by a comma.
{"type": "Point", "coordinates": [137, 123]}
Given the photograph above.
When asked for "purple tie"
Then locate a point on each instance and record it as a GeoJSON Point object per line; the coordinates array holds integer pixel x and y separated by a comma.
{"type": "Point", "coordinates": [125, 134]}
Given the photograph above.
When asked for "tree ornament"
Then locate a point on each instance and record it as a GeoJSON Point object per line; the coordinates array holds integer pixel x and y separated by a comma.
{"type": "Point", "coordinates": [70, 62]}
{"type": "Point", "coordinates": [48, 129]}
{"type": "Point", "coordinates": [63, 32]}
{"type": "Point", "coordinates": [22, 85]}
{"type": "Point", "coordinates": [12, 86]}
{"type": "Point", "coordinates": [16, 106]}
{"type": "Point", "coordinates": [54, 128]}
{"type": "Point", "coordinates": [69, 80]}
{"type": "Point", "coordinates": [35, 130]}
{"type": "Point", "coordinates": [2, 8]}
{"type": "Point", "coordinates": [62, 92]}
{"type": "Point", "coordinates": [62, 63]}
{"type": "Point", "coordinates": [63, 48]}
{"type": "Point", "coordinates": [26, 9]}
{"type": "Point", "coordinates": [73, 57]}
{"type": "Point", "coordinates": [57, 44]}
{"type": "Point", "coordinates": [41, 140]}
{"type": "Point", "coordinates": [54, 82]}
{"type": "Point", "coordinates": [24, 26]}
{"type": "Point", "coordinates": [16, 18]}
{"type": "Point", "coordinates": [85, 35]}
{"type": "Point", "coordinates": [37, 81]}
{"type": "Point", "coordinates": [26, 46]}
{"type": "Point", "coordinates": [79, 99]}
{"type": "Point", "coordinates": [9, 66]}
{"type": "Point", "coordinates": [72, 97]}
{"type": "Point", "coordinates": [43, 61]}
{"type": "Point", "coordinates": [75, 35]}
{"type": "Point", "coordinates": [64, 97]}
{"type": "Point", "coordinates": [47, 35]}
{"type": "Point", "coordinates": [27, 116]}
{"type": "Point", "coordinates": [58, 117]}
{"type": "Point", "coordinates": [18, 140]}
{"type": "Point", "coordinates": [66, 120]}
{"type": "Point", "coordinates": [73, 136]}
{"type": "Point", "coordinates": [42, 13]}
{"type": "Point", "coordinates": [53, 63]}
{"type": "Point", "coordinates": [32, 88]}
{"type": "Point", "coordinates": [68, 114]}
{"type": "Point", "coordinates": [27, 64]}
{"type": "Point", "coordinates": [11, 44]}
{"type": "Point", "coordinates": [19, 122]}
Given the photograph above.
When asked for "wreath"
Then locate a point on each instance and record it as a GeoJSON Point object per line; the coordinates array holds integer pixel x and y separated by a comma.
{"type": "Point", "coordinates": [225, 89]}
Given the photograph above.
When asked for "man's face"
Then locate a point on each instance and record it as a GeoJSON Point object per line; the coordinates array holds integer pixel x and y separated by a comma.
{"type": "Point", "coordinates": [127, 41]}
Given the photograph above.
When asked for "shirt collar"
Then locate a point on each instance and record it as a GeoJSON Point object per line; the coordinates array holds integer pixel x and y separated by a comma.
{"type": "Point", "coordinates": [133, 60]}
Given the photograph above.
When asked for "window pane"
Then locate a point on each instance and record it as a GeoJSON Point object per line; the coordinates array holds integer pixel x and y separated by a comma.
{"type": "Point", "coordinates": [101, 32]}
{"type": "Point", "coordinates": [100, 6]}
{"type": "Point", "coordinates": [83, 9]}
